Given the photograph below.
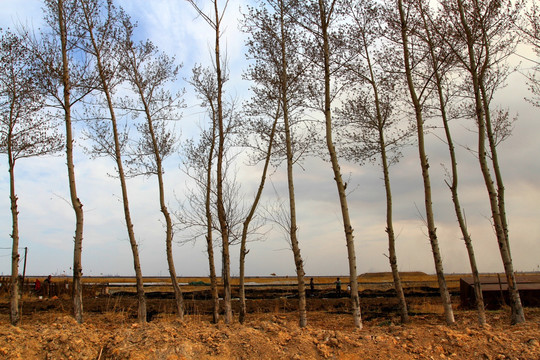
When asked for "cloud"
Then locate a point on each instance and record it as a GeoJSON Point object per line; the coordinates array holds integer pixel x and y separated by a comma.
{"type": "Point", "coordinates": [47, 220]}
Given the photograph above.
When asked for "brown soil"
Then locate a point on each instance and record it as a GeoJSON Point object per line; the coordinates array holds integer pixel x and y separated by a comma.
{"type": "Point", "coordinates": [110, 331]}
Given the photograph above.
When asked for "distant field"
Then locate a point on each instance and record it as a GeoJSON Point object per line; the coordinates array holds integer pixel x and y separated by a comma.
{"type": "Point", "coordinates": [370, 281]}
{"type": "Point", "coordinates": [381, 281]}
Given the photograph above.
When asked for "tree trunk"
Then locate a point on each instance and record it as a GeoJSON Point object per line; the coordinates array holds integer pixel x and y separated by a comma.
{"type": "Point", "coordinates": [166, 215]}
{"type": "Point", "coordinates": [172, 271]}
{"type": "Point", "coordinates": [355, 299]}
{"type": "Point", "coordinates": [459, 214]}
{"type": "Point", "coordinates": [443, 288]}
{"type": "Point", "coordinates": [76, 203]}
{"type": "Point", "coordinates": [242, 286]}
{"type": "Point", "coordinates": [209, 237]}
{"type": "Point", "coordinates": [517, 314]}
{"type": "Point", "coordinates": [127, 215]}
{"type": "Point", "coordinates": [119, 165]}
{"type": "Point", "coordinates": [392, 255]}
{"type": "Point", "coordinates": [222, 215]}
{"type": "Point", "coordinates": [14, 315]}
{"type": "Point", "coordinates": [179, 298]}
{"type": "Point", "coordinates": [169, 228]}
{"type": "Point", "coordinates": [249, 217]}
{"type": "Point", "coordinates": [499, 220]}
{"type": "Point", "coordinates": [299, 264]}
{"type": "Point", "coordinates": [213, 280]}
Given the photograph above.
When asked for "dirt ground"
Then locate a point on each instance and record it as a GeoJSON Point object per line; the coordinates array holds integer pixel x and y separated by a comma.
{"type": "Point", "coordinates": [110, 331]}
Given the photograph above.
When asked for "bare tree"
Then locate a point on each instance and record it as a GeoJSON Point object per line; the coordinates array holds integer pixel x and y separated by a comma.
{"type": "Point", "coordinates": [442, 64]}
{"type": "Point", "coordinates": [371, 128]}
{"type": "Point", "coordinates": [24, 132]}
{"type": "Point", "coordinates": [199, 211]}
{"type": "Point", "coordinates": [201, 158]}
{"type": "Point", "coordinates": [318, 19]}
{"type": "Point", "coordinates": [280, 88]}
{"type": "Point", "coordinates": [405, 25]}
{"type": "Point", "coordinates": [148, 72]}
{"type": "Point", "coordinates": [65, 79]}
{"type": "Point", "coordinates": [214, 21]}
{"type": "Point", "coordinates": [98, 21]}
{"type": "Point", "coordinates": [200, 208]}
{"type": "Point", "coordinates": [485, 40]}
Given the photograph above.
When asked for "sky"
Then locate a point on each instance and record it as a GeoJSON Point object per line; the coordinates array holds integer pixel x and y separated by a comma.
{"type": "Point", "coordinates": [47, 221]}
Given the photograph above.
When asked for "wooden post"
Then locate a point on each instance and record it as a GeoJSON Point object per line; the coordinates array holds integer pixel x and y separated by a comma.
{"type": "Point", "coordinates": [501, 289]}
{"type": "Point", "coordinates": [24, 267]}
{"type": "Point", "coordinates": [22, 284]}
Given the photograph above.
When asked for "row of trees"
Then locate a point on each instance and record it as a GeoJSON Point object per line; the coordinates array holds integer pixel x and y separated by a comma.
{"type": "Point", "coordinates": [365, 68]}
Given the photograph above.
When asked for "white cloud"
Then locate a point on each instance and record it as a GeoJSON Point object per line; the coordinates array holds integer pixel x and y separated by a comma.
{"type": "Point", "coordinates": [47, 220]}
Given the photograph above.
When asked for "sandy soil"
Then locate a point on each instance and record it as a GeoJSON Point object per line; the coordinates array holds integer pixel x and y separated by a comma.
{"type": "Point", "coordinates": [51, 333]}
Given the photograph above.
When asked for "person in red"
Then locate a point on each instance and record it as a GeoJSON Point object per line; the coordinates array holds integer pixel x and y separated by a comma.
{"type": "Point", "coordinates": [37, 286]}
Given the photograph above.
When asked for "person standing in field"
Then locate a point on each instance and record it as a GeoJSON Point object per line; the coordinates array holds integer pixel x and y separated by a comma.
{"type": "Point", "coordinates": [37, 287]}
{"type": "Point", "coordinates": [338, 287]}
{"type": "Point", "coordinates": [47, 286]}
